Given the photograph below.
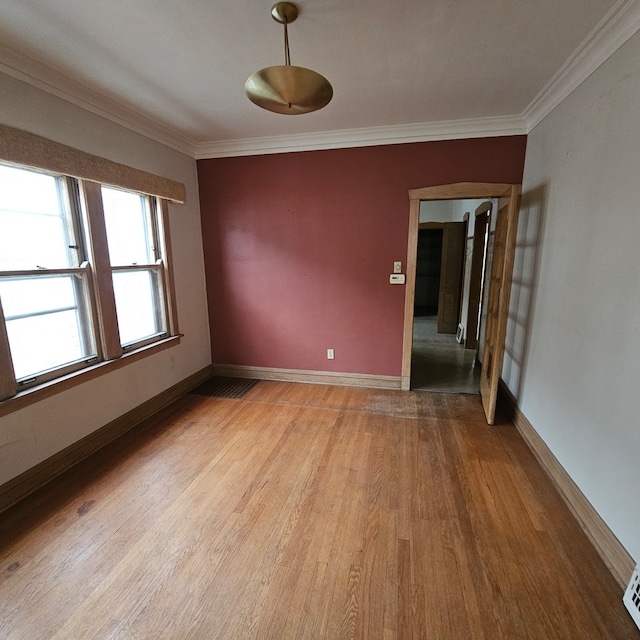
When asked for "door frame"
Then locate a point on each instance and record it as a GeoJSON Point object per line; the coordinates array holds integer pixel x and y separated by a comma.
{"type": "Point", "coordinates": [454, 191]}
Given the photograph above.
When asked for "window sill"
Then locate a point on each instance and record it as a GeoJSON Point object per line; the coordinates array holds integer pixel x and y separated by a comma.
{"type": "Point", "coordinates": [35, 394]}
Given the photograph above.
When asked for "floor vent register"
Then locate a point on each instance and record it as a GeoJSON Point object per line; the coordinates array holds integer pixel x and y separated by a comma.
{"type": "Point", "coordinates": [218, 387]}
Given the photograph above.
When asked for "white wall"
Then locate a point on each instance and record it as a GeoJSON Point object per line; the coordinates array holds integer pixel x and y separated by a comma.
{"type": "Point", "coordinates": [436, 211]}
{"type": "Point", "coordinates": [41, 430]}
{"type": "Point", "coordinates": [574, 336]}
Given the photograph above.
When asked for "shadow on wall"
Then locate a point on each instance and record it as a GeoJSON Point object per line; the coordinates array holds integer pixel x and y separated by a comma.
{"type": "Point", "coordinates": [524, 285]}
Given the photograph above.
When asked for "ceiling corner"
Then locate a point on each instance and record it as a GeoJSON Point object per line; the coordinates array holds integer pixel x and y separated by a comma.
{"type": "Point", "coordinates": [616, 27]}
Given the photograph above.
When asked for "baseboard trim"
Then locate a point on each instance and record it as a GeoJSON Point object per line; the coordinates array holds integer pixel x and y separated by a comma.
{"type": "Point", "coordinates": [21, 486]}
{"type": "Point", "coordinates": [615, 556]}
{"type": "Point", "coordinates": [309, 377]}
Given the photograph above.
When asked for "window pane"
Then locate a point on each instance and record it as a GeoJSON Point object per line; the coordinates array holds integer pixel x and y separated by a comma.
{"type": "Point", "coordinates": [128, 228]}
{"type": "Point", "coordinates": [137, 304]}
{"type": "Point", "coordinates": [28, 296]}
{"type": "Point", "coordinates": [34, 225]}
{"type": "Point", "coordinates": [45, 318]}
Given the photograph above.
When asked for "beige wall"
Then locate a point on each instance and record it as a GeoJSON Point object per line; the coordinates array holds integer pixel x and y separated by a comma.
{"type": "Point", "coordinates": [573, 345]}
{"type": "Point", "coordinates": [34, 434]}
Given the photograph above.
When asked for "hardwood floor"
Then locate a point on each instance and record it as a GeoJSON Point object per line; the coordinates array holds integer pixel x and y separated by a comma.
{"type": "Point", "coordinates": [306, 511]}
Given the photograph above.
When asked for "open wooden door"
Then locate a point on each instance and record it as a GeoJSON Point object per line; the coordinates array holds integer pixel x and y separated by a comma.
{"type": "Point", "coordinates": [476, 277]}
{"type": "Point", "coordinates": [504, 246]}
{"type": "Point", "coordinates": [451, 267]}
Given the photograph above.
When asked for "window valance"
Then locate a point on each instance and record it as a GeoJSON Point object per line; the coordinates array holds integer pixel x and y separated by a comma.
{"type": "Point", "coordinates": [27, 149]}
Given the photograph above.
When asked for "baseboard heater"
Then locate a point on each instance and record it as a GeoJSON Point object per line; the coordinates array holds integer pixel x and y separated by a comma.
{"type": "Point", "coordinates": [632, 596]}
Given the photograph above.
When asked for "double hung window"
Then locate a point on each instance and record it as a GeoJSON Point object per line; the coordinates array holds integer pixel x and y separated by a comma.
{"type": "Point", "coordinates": [83, 275]}
{"type": "Point", "coordinates": [136, 265]}
{"type": "Point", "coordinates": [44, 279]}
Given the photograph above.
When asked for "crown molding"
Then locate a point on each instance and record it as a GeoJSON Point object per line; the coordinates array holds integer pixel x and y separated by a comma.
{"type": "Point", "coordinates": [620, 23]}
{"type": "Point", "coordinates": [365, 137]}
{"type": "Point", "coordinates": [43, 77]}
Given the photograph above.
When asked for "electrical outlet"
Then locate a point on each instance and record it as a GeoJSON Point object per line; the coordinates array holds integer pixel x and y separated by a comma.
{"type": "Point", "coordinates": [330, 354]}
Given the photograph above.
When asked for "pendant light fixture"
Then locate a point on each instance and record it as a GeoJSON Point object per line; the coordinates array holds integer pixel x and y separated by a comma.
{"type": "Point", "coordinates": [287, 89]}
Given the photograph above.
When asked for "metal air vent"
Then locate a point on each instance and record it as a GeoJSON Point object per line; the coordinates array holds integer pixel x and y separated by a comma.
{"type": "Point", "coordinates": [632, 596]}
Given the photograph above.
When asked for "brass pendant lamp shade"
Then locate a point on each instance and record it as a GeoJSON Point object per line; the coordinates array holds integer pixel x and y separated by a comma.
{"type": "Point", "coordinates": [287, 89]}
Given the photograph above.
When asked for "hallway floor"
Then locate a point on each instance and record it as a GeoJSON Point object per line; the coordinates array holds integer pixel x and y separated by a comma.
{"type": "Point", "coordinates": [439, 363]}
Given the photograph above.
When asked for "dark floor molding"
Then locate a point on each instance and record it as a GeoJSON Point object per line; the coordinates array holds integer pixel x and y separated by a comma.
{"type": "Point", "coordinates": [313, 377]}
{"type": "Point", "coordinates": [34, 478]}
{"type": "Point", "coordinates": [615, 556]}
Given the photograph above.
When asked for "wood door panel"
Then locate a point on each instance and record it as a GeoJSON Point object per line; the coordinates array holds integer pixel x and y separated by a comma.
{"type": "Point", "coordinates": [453, 248]}
{"type": "Point", "coordinates": [498, 304]}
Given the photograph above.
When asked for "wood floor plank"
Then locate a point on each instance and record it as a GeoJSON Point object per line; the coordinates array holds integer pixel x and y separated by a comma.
{"type": "Point", "coordinates": [306, 511]}
{"type": "Point", "coordinates": [95, 538]}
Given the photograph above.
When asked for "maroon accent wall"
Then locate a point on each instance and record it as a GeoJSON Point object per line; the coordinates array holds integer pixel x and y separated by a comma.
{"type": "Point", "coordinates": [299, 247]}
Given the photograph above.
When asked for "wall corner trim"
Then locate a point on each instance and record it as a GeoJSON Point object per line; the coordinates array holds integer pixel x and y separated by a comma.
{"type": "Point", "coordinates": [26, 483]}
{"type": "Point", "coordinates": [614, 555]}
{"type": "Point", "coordinates": [309, 377]}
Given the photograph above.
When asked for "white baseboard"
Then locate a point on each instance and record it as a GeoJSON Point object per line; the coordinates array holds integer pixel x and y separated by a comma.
{"type": "Point", "coordinates": [615, 556]}
{"type": "Point", "coordinates": [312, 377]}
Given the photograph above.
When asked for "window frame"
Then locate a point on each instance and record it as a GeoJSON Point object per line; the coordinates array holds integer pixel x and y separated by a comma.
{"type": "Point", "coordinates": [77, 265]}
{"type": "Point", "coordinates": [87, 324]}
{"type": "Point", "coordinates": [87, 219]}
{"type": "Point", "coordinates": [153, 266]}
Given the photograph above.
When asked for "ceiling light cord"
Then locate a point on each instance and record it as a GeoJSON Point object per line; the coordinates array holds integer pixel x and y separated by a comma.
{"type": "Point", "coordinates": [287, 57]}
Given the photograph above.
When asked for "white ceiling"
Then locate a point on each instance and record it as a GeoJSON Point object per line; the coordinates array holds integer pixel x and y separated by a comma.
{"type": "Point", "coordinates": [176, 70]}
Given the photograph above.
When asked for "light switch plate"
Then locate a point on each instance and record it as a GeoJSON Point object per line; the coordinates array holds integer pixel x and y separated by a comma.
{"type": "Point", "coordinates": [397, 267]}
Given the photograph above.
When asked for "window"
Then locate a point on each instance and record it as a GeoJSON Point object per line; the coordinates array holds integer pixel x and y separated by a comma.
{"type": "Point", "coordinates": [83, 275]}
{"type": "Point", "coordinates": [136, 265]}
